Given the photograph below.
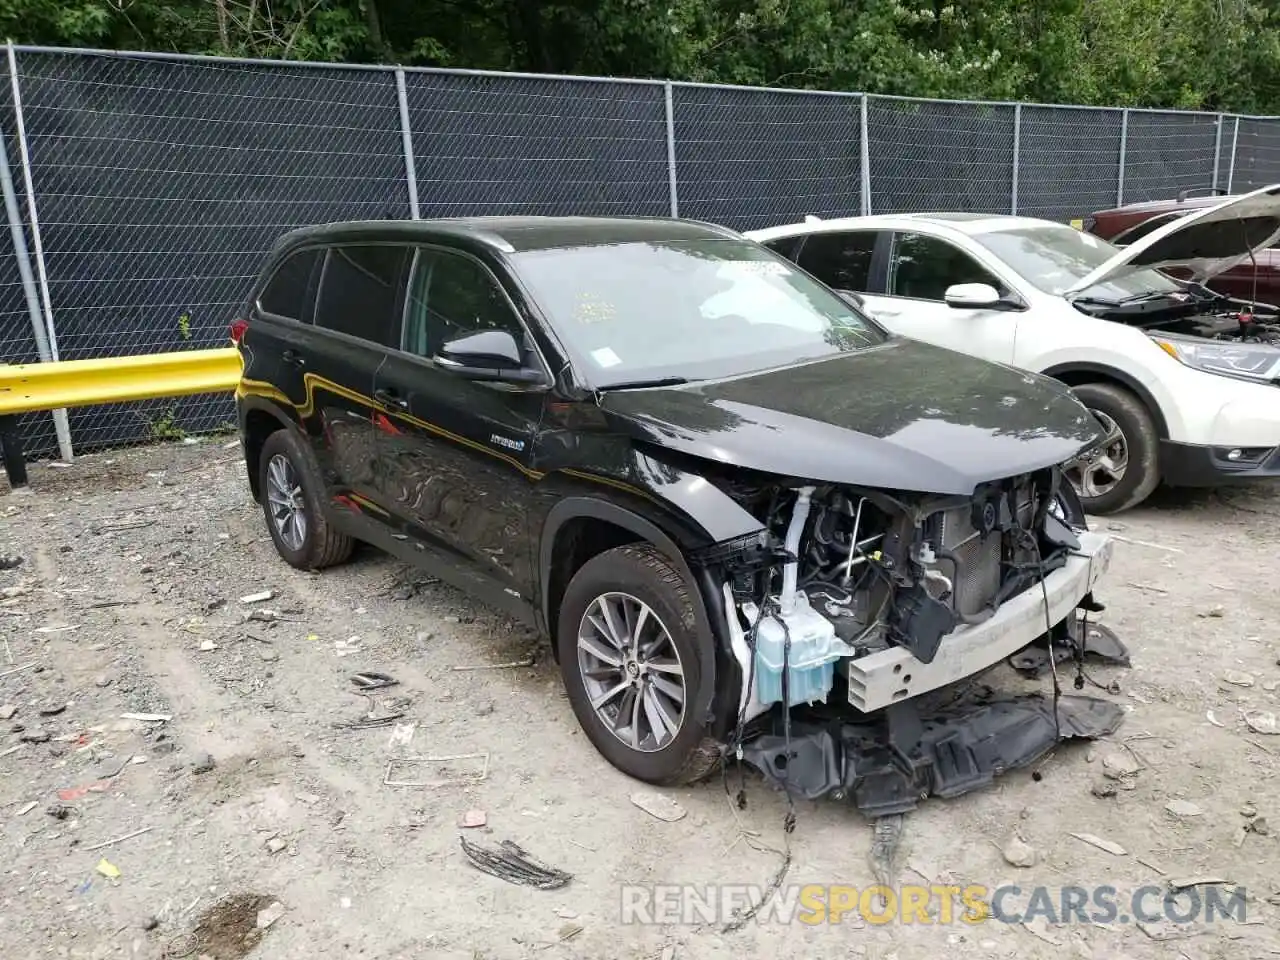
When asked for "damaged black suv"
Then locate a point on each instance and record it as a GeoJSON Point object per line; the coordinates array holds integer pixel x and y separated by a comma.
{"type": "Point", "coordinates": [715, 483]}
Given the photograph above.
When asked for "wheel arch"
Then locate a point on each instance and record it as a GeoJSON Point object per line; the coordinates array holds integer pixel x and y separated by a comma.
{"type": "Point", "coordinates": [258, 420]}
{"type": "Point", "coordinates": [1076, 374]}
{"type": "Point", "coordinates": [579, 528]}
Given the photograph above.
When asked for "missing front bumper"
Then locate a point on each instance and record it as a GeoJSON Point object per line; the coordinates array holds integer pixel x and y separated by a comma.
{"type": "Point", "coordinates": [894, 675]}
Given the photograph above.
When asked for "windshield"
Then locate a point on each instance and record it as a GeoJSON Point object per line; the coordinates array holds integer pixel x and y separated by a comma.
{"type": "Point", "coordinates": [1053, 259]}
{"type": "Point", "coordinates": [688, 309]}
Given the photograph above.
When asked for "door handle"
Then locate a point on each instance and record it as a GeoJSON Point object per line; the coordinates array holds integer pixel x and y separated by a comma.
{"type": "Point", "coordinates": [389, 398]}
{"type": "Point", "coordinates": [293, 358]}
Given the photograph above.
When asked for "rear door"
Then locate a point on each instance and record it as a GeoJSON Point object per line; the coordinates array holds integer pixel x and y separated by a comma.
{"type": "Point", "coordinates": [279, 333]}
{"type": "Point", "coordinates": [456, 454]}
{"type": "Point", "coordinates": [359, 298]}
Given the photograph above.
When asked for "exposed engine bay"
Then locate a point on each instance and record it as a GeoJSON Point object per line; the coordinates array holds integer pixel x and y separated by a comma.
{"type": "Point", "coordinates": [846, 573]}
{"type": "Point", "coordinates": [1198, 312]}
{"type": "Point", "coordinates": [842, 577]}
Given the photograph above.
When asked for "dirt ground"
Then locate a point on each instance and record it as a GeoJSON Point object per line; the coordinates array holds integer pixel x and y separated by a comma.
{"type": "Point", "coordinates": [129, 602]}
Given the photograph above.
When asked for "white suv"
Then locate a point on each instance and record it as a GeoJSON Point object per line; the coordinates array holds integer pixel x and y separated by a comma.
{"type": "Point", "coordinates": [1185, 381]}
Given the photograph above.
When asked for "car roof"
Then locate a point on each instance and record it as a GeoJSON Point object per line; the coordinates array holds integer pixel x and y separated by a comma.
{"type": "Point", "coordinates": [513, 234]}
{"type": "Point", "coordinates": [969, 224]}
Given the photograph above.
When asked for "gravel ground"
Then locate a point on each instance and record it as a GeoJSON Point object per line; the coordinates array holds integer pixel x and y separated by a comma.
{"type": "Point", "coordinates": [129, 602]}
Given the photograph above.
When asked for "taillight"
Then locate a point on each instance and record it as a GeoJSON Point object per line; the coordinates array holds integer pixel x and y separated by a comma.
{"type": "Point", "coordinates": [238, 328]}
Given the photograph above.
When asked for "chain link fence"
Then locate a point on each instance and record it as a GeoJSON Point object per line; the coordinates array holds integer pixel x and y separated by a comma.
{"type": "Point", "coordinates": [160, 181]}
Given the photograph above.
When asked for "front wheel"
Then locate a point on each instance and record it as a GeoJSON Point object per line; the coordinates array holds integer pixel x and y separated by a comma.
{"type": "Point", "coordinates": [1123, 469]}
{"type": "Point", "coordinates": [628, 646]}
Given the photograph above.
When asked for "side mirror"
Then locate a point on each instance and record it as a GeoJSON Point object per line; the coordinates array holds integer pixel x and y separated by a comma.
{"type": "Point", "coordinates": [848, 296]}
{"type": "Point", "coordinates": [487, 355]}
{"type": "Point", "coordinates": [975, 296]}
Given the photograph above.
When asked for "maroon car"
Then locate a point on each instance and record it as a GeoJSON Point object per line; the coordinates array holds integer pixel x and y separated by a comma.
{"type": "Point", "coordinates": [1257, 279]}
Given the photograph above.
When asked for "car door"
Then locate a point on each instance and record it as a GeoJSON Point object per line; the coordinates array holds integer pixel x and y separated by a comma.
{"type": "Point", "coordinates": [920, 269]}
{"type": "Point", "coordinates": [358, 303]}
{"type": "Point", "coordinates": [455, 454]}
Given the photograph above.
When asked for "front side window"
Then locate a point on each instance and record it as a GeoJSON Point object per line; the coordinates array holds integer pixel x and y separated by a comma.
{"type": "Point", "coordinates": [285, 294]}
{"type": "Point", "coordinates": [923, 267]}
{"type": "Point", "coordinates": [840, 260]}
{"type": "Point", "coordinates": [360, 291]}
{"type": "Point", "coordinates": [687, 309]}
{"type": "Point", "coordinates": [450, 296]}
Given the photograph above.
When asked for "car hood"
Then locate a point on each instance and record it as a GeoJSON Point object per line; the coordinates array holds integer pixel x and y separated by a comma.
{"type": "Point", "coordinates": [1208, 242]}
{"type": "Point", "coordinates": [903, 415]}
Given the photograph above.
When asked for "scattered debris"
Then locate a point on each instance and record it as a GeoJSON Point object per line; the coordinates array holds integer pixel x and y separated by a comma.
{"type": "Point", "coordinates": [509, 862]}
{"type": "Point", "coordinates": [115, 840]}
{"type": "Point", "coordinates": [262, 597]}
{"type": "Point", "coordinates": [266, 615]}
{"type": "Point", "coordinates": [1183, 808]}
{"type": "Point", "coordinates": [1146, 586]}
{"type": "Point", "coordinates": [1217, 610]}
{"type": "Point", "coordinates": [25, 666]}
{"type": "Point", "coordinates": [1119, 766]}
{"type": "Point", "coordinates": [1038, 926]}
{"type": "Point", "coordinates": [147, 717]}
{"type": "Point", "coordinates": [568, 931]}
{"type": "Point", "coordinates": [207, 645]}
{"type": "Point", "coordinates": [473, 818]}
{"type": "Point", "coordinates": [1187, 882]}
{"type": "Point", "coordinates": [564, 913]}
{"type": "Point", "coordinates": [484, 709]}
{"type": "Point", "coordinates": [8, 711]}
{"type": "Point", "coordinates": [108, 869]}
{"type": "Point", "coordinates": [1259, 826]}
{"type": "Point", "coordinates": [1248, 810]}
{"type": "Point", "coordinates": [344, 648]}
{"type": "Point", "coordinates": [658, 805]}
{"type": "Point", "coordinates": [11, 561]}
{"type": "Point", "coordinates": [228, 930]}
{"type": "Point", "coordinates": [1166, 930]}
{"type": "Point", "coordinates": [1146, 543]}
{"type": "Point", "coordinates": [1263, 721]}
{"type": "Point", "coordinates": [269, 915]}
{"type": "Point", "coordinates": [1152, 865]}
{"type": "Point", "coordinates": [202, 763]}
{"type": "Point", "coordinates": [1214, 720]}
{"type": "Point", "coordinates": [1109, 846]}
{"type": "Point", "coordinates": [150, 923]}
{"type": "Point", "coordinates": [72, 794]}
{"type": "Point", "coordinates": [28, 807]}
{"type": "Point", "coordinates": [1238, 678]}
{"type": "Point", "coordinates": [59, 811]}
{"type": "Point", "coordinates": [401, 736]}
{"type": "Point", "coordinates": [35, 736]}
{"type": "Point", "coordinates": [1103, 789]}
{"type": "Point", "coordinates": [369, 680]}
{"type": "Point", "coordinates": [1018, 853]}
{"type": "Point", "coordinates": [448, 778]}
{"type": "Point", "coordinates": [52, 709]}
{"type": "Point", "coordinates": [526, 662]}
{"type": "Point", "coordinates": [275, 844]}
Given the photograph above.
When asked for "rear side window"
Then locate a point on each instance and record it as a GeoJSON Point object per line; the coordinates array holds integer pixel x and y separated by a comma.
{"type": "Point", "coordinates": [786, 246]}
{"type": "Point", "coordinates": [840, 260]}
{"type": "Point", "coordinates": [360, 291]}
{"type": "Point", "coordinates": [285, 294]}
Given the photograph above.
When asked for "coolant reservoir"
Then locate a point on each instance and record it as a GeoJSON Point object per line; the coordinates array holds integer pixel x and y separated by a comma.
{"type": "Point", "coordinates": [814, 650]}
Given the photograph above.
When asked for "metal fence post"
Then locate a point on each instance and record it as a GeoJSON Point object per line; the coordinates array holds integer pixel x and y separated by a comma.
{"type": "Point", "coordinates": [1017, 149]}
{"type": "Point", "coordinates": [1231, 171]}
{"type": "Point", "coordinates": [1217, 150]}
{"type": "Point", "coordinates": [864, 159]}
{"type": "Point", "coordinates": [60, 424]}
{"type": "Point", "coordinates": [672, 180]}
{"type": "Point", "coordinates": [1124, 147]}
{"type": "Point", "coordinates": [406, 139]}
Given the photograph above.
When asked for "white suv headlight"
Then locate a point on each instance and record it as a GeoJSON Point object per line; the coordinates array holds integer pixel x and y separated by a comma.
{"type": "Point", "coordinates": [1244, 361]}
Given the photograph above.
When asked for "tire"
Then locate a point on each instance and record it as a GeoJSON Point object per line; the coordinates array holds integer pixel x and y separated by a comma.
{"type": "Point", "coordinates": [1137, 431]}
{"type": "Point", "coordinates": [319, 545]}
{"type": "Point", "coordinates": [639, 573]}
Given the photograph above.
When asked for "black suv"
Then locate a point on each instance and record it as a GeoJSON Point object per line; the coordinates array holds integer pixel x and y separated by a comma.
{"type": "Point", "coordinates": [716, 484]}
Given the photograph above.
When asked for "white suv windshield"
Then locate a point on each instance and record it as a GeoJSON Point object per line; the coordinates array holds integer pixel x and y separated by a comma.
{"type": "Point", "coordinates": [688, 310]}
{"type": "Point", "coordinates": [1054, 259]}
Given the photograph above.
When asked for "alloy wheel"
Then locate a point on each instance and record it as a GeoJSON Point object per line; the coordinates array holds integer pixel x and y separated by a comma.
{"type": "Point", "coordinates": [1098, 472]}
{"type": "Point", "coordinates": [288, 508]}
{"type": "Point", "coordinates": [631, 671]}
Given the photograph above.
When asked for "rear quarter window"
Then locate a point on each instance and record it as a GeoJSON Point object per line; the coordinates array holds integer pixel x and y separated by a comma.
{"type": "Point", "coordinates": [285, 294]}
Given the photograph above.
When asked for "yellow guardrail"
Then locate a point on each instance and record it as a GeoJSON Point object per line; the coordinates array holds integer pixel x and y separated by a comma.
{"type": "Point", "coordinates": [26, 387]}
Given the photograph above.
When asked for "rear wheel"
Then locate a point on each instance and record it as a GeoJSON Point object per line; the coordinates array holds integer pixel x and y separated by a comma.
{"type": "Point", "coordinates": [1123, 469]}
{"type": "Point", "coordinates": [291, 501]}
{"type": "Point", "coordinates": [628, 646]}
